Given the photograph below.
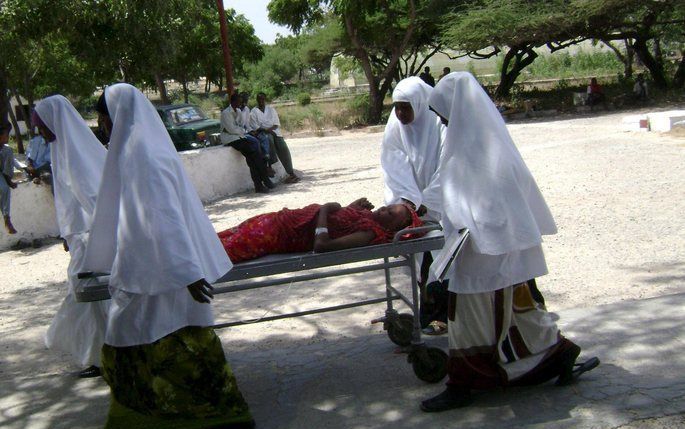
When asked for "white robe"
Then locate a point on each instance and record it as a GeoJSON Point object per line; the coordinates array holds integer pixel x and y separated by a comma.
{"type": "Point", "coordinates": [77, 162]}
{"type": "Point", "coordinates": [150, 229]}
{"type": "Point", "coordinates": [487, 188]}
{"type": "Point", "coordinates": [266, 119]}
{"type": "Point", "coordinates": [410, 154]}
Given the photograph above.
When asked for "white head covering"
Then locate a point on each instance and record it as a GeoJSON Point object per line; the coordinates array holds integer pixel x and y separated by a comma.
{"type": "Point", "coordinates": [410, 153]}
{"type": "Point", "coordinates": [150, 228]}
{"type": "Point", "coordinates": [78, 159]}
{"type": "Point", "coordinates": [489, 188]}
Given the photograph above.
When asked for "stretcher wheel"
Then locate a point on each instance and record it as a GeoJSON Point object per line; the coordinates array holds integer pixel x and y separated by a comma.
{"type": "Point", "coordinates": [400, 330]}
{"type": "Point", "coordinates": [429, 364]}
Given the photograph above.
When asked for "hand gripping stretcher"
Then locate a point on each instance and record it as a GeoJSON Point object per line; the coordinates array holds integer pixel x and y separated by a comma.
{"type": "Point", "coordinates": [429, 363]}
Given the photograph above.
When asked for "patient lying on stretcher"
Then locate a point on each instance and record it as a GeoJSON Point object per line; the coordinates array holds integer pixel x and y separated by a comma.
{"type": "Point", "coordinates": [321, 228]}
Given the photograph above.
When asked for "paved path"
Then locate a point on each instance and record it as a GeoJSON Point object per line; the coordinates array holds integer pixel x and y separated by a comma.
{"type": "Point", "coordinates": [618, 199]}
{"type": "Point", "coordinates": [357, 381]}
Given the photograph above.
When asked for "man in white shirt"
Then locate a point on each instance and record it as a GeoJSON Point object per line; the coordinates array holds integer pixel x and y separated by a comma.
{"type": "Point", "coordinates": [233, 134]}
{"type": "Point", "coordinates": [640, 90]}
{"type": "Point", "coordinates": [265, 119]}
{"type": "Point", "coordinates": [269, 156]}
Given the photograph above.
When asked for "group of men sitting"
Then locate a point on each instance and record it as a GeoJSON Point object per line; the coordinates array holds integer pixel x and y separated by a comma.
{"type": "Point", "coordinates": [37, 168]}
{"type": "Point", "coordinates": [257, 135]}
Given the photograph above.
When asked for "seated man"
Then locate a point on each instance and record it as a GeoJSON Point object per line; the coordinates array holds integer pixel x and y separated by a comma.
{"type": "Point", "coordinates": [321, 228]}
{"type": "Point", "coordinates": [640, 90]}
{"type": "Point", "coordinates": [232, 134]}
{"type": "Point", "coordinates": [38, 158]}
{"type": "Point", "coordinates": [265, 120]}
{"type": "Point", "coordinates": [243, 118]}
{"type": "Point", "coordinates": [595, 93]}
{"type": "Point", "coordinates": [6, 171]}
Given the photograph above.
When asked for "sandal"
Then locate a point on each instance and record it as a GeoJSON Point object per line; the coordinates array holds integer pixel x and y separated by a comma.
{"type": "Point", "coordinates": [291, 179]}
{"type": "Point", "coordinates": [436, 327]}
{"type": "Point", "coordinates": [578, 368]}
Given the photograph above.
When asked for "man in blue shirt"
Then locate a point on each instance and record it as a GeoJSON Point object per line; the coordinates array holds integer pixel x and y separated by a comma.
{"type": "Point", "coordinates": [38, 160]}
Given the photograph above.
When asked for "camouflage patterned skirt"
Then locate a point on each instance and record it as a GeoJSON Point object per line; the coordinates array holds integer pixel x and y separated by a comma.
{"type": "Point", "coordinates": [184, 375]}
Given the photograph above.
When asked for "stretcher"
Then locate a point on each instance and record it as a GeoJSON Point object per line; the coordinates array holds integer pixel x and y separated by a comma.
{"type": "Point", "coordinates": [404, 329]}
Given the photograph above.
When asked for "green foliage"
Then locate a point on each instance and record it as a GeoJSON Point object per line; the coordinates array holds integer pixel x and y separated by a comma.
{"type": "Point", "coordinates": [359, 107]}
{"type": "Point", "coordinates": [303, 98]}
{"type": "Point", "coordinates": [562, 85]}
{"type": "Point", "coordinates": [376, 33]}
{"type": "Point", "coordinates": [563, 64]}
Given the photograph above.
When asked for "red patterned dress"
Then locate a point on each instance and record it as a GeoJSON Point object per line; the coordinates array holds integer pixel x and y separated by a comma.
{"type": "Point", "coordinates": [292, 231]}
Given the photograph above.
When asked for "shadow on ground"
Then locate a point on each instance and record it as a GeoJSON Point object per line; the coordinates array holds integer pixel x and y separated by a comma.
{"type": "Point", "coordinates": [338, 371]}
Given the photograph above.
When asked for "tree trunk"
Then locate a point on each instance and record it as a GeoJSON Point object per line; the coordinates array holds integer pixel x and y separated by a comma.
{"type": "Point", "coordinates": [655, 68]}
{"type": "Point", "coordinates": [679, 76]}
{"type": "Point", "coordinates": [161, 88]}
{"type": "Point", "coordinates": [184, 84]}
{"type": "Point", "coordinates": [658, 55]}
{"type": "Point", "coordinates": [17, 131]}
{"type": "Point", "coordinates": [28, 93]}
{"type": "Point", "coordinates": [521, 57]}
{"type": "Point", "coordinates": [15, 124]}
{"type": "Point", "coordinates": [630, 57]}
{"type": "Point", "coordinates": [4, 98]}
{"type": "Point", "coordinates": [376, 90]}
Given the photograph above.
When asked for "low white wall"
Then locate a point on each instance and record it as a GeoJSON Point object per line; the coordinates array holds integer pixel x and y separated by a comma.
{"type": "Point", "coordinates": [216, 172]}
{"type": "Point", "coordinates": [33, 214]}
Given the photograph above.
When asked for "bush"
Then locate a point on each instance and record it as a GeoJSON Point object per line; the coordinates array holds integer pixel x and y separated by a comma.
{"type": "Point", "coordinates": [359, 107]}
{"type": "Point", "coordinates": [303, 98]}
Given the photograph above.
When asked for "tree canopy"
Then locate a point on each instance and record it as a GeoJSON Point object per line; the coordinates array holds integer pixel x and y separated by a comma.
{"type": "Point", "coordinates": [377, 33]}
{"type": "Point", "coordinates": [484, 28]}
{"type": "Point", "coordinates": [74, 47]}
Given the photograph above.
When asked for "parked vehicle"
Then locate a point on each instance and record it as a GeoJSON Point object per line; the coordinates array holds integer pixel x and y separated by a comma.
{"type": "Point", "coordinates": [188, 126]}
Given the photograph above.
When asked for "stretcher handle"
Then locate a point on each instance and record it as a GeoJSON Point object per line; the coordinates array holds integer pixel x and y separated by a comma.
{"type": "Point", "coordinates": [418, 230]}
{"type": "Point", "coordinates": [90, 275]}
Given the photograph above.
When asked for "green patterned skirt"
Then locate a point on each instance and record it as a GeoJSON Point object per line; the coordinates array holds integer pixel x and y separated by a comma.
{"type": "Point", "coordinates": [183, 375]}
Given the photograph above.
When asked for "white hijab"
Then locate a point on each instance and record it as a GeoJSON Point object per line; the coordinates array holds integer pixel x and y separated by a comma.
{"type": "Point", "coordinates": [489, 188]}
{"type": "Point", "coordinates": [150, 228]}
{"type": "Point", "coordinates": [78, 159]}
{"type": "Point", "coordinates": [410, 154]}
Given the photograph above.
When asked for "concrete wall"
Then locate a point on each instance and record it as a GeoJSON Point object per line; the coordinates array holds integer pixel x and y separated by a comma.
{"type": "Point", "coordinates": [216, 172]}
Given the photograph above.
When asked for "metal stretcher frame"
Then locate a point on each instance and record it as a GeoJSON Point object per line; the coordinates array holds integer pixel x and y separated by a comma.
{"type": "Point", "coordinates": [429, 363]}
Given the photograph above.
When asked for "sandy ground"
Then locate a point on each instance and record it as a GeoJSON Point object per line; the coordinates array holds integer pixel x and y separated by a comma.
{"type": "Point", "coordinates": [618, 199]}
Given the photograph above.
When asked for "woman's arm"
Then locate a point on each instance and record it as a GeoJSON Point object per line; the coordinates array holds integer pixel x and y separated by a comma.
{"type": "Point", "coordinates": [323, 242]}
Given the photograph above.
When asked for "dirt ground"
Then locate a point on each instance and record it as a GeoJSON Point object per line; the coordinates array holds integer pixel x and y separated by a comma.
{"type": "Point", "coordinates": [618, 199]}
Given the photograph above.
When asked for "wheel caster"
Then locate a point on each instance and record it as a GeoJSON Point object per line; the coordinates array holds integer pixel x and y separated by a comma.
{"type": "Point", "coordinates": [429, 364]}
{"type": "Point", "coordinates": [400, 329]}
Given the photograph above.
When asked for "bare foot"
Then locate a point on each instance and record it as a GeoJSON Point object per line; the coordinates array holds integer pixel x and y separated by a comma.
{"type": "Point", "coordinates": [9, 226]}
{"type": "Point", "coordinates": [291, 179]}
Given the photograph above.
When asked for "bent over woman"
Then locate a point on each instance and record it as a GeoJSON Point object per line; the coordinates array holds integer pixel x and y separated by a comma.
{"type": "Point", "coordinates": [499, 334]}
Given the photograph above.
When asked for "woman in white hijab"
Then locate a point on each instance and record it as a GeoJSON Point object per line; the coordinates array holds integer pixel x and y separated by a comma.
{"type": "Point", "coordinates": [151, 233]}
{"type": "Point", "coordinates": [410, 157]}
{"type": "Point", "coordinates": [77, 162]}
{"type": "Point", "coordinates": [411, 148]}
{"type": "Point", "coordinates": [499, 334]}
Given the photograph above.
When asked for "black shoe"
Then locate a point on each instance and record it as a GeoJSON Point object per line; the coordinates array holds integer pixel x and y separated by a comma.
{"type": "Point", "coordinates": [450, 399]}
{"type": "Point", "coordinates": [262, 190]}
{"type": "Point", "coordinates": [568, 377]}
{"type": "Point", "coordinates": [567, 362]}
{"type": "Point", "coordinates": [269, 184]}
{"type": "Point", "coordinates": [90, 372]}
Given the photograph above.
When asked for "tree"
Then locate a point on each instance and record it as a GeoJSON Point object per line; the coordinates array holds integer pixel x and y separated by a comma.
{"type": "Point", "coordinates": [516, 28]}
{"type": "Point", "coordinates": [377, 33]}
{"type": "Point", "coordinates": [484, 28]}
